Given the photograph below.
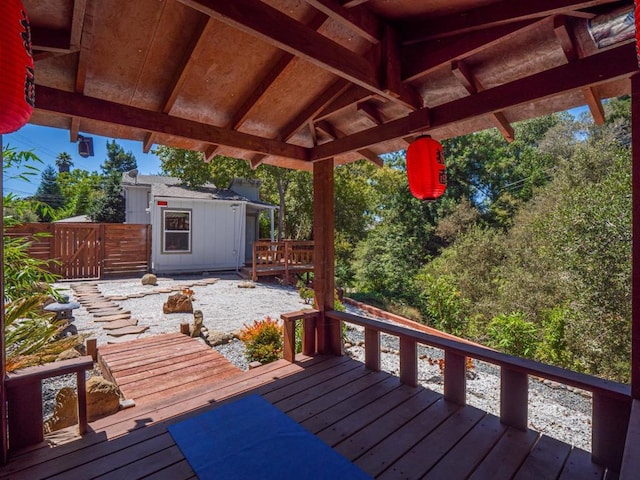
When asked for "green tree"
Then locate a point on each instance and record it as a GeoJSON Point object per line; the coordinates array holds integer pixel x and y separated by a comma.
{"type": "Point", "coordinates": [49, 193]}
{"type": "Point", "coordinates": [64, 162]}
{"type": "Point", "coordinates": [110, 207]}
{"type": "Point", "coordinates": [79, 188]}
{"type": "Point", "coordinates": [187, 165]}
{"type": "Point", "coordinates": [117, 160]}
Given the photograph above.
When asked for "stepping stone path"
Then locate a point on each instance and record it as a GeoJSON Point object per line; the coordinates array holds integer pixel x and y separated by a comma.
{"type": "Point", "coordinates": [116, 322]}
{"type": "Point", "coordinates": [108, 313]}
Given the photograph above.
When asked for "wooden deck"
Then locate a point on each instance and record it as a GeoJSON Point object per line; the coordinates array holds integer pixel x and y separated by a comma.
{"type": "Point", "coordinates": [389, 430]}
{"type": "Point", "coordinates": [162, 366]}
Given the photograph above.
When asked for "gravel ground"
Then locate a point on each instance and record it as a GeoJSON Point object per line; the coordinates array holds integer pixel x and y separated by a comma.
{"type": "Point", "coordinates": [555, 410]}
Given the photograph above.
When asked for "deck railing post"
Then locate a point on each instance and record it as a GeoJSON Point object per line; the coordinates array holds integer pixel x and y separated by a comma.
{"type": "Point", "coordinates": [289, 343]}
{"type": "Point", "coordinates": [455, 377]}
{"type": "Point", "coordinates": [610, 419]}
{"type": "Point", "coordinates": [372, 349]}
{"type": "Point", "coordinates": [408, 361]}
{"type": "Point", "coordinates": [254, 277]}
{"type": "Point", "coordinates": [309, 335]}
{"type": "Point", "coordinates": [514, 398]}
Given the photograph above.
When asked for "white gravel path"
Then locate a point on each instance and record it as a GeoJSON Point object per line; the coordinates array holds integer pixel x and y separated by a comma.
{"type": "Point", "coordinates": [553, 409]}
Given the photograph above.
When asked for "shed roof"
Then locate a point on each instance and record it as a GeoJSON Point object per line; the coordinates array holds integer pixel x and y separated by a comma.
{"type": "Point", "coordinates": [290, 82]}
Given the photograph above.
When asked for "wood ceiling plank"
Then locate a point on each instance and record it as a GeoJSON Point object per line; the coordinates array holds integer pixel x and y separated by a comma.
{"type": "Point", "coordinates": [494, 14]}
{"type": "Point", "coordinates": [50, 40]}
{"type": "Point", "coordinates": [74, 130]}
{"type": "Point", "coordinates": [420, 59]}
{"type": "Point", "coordinates": [359, 20]}
{"type": "Point", "coordinates": [276, 28]}
{"type": "Point", "coordinates": [618, 62]}
{"type": "Point", "coordinates": [464, 75]}
{"type": "Point", "coordinates": [73, 104]}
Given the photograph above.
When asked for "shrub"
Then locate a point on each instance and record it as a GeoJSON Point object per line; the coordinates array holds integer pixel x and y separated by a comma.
{"type": "Point", "coordinates": [263, 340]}
{"type": "Point", "coordinates": [513, 334]}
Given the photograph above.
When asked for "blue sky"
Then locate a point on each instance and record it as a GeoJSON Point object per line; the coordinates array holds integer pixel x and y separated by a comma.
{"type": "Point", "coordinates": [47, 143]}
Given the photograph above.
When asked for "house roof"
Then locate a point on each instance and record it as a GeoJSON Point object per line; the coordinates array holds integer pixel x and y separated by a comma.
{"type": "Point", "coordinates": [172, 187]}
{"type": "Point", "coordinates": [290, 82]}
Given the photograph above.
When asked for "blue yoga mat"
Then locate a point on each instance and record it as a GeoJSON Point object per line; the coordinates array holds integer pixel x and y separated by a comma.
{"type": "Point", "coordinates": [252, 439]}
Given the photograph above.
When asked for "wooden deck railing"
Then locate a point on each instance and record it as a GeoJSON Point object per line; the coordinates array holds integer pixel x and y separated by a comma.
{"type": "Point", "coordinates": [24, 399]}
{"type": "Point", "coordinates": [281, 258]}
{"type": "Point", "coordinates": [611, 401]}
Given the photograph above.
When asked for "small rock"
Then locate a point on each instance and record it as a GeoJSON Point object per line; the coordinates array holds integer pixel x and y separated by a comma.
{"type": "Point", "coordinates": [68, 354]}
{"type": "Point", "coordinates": [347, 345]}
{"type": "Point", "coordinates": [254, 364]}
{"type": "Point", "coordinates": [149, 279]}
{"type": "Point", "coordinates": [65, 412]}
{"type": "Point", "coordinates": [178, 303]}
{"type": "Point", "coordinates": [246, 285]}
{"type": "Point", "coordinates": [219, 338]}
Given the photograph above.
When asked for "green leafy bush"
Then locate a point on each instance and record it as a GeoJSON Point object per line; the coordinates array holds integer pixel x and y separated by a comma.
{"type": "Point", "coordinates": [513, 334]}
{"type": "Point", "coordinates": [263, 340]}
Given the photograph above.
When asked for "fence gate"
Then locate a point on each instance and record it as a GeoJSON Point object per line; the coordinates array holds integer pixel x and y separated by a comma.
{"type": "Point", "coordinates": [78, 248]}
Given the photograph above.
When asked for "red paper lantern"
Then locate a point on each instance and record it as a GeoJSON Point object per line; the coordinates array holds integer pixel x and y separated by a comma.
{"type": "Point", "coordinates": [426, 172]}
{"type": "Point", "coordinates": [17, 95]}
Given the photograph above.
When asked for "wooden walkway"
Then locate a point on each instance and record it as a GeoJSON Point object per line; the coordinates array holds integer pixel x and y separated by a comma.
{"type": "Point", "coordinates": [161, 366]}
{"type": "Point", "coordinates": [390, 430]}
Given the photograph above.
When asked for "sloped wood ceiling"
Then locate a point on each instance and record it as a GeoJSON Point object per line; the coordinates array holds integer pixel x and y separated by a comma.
{"type": "Point", "coordinates": [289, 82]}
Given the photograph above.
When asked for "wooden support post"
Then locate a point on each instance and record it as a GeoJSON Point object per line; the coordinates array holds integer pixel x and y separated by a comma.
{"type": "Point", "coordinates": [25, 414]}
{"type": "Point", "coordinates": [514, 398]}
{"type": "Point", "coordinates": [329, 332]}
{"type": "Point", "coordinates": [81, 382]}
{"type": "Point", "coordinates": [635, 237]}
{"type": "Point", "coordinates": [372, 349]}
{"type": "Point", "coordinates": [92, 348]}
{"type": "Point", "coordinates": [184, 328]}
{"type": "Point", "coordinates": [609, 430]}
{"type": "Point", "coordinates": [309, 335]}
{"type": "Point", "coordinates": [289, 347]}
{"type": "Point", "coordinates": [455, 378]}
{"type": "Point", "coordinates": [408, 361]}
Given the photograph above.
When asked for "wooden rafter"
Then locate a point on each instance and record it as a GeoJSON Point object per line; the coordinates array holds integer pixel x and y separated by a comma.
{"type": "Point", "coordinates": [353, 3]}
{"type": "Point", "coordinates": [359, 20]}
{"type": "Point", "coordinates": [567, 42]}
{"type": "Point", "coordinates": [420, 59]}
{"type": "Point", "coordinates": [371, 112]}
{"type": "Point", "coordinates": [352, 96]}
{"type": "Point", "coordinates": [86, 40]}
{"type": "Point", "coordinates": [76, 105]}
{"type": "Point", "coordinates": [77, 23]}
{"type": "Point", "coordinates": [50, 40]}
{"type": "Point", "coordinates": [618, 62]}
{"type": "Point", "coordinates": [506, 11]}
{"type": "Point", "coordinates": [197, 40]}
{"type": "Point", "coordinates": [277, 29]}
{"type": "Point", "coordinates": [462, 72]}
{"type": "Point", "coordinates": [333, 132]}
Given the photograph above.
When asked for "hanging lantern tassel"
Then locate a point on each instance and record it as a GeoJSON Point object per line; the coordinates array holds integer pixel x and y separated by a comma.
{"type": "Point", "coordinates": [17, 83]}
{"type": "Point", "coordinates": [426, 171]}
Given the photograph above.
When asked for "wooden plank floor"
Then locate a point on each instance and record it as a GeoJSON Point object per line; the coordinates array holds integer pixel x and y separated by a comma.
{"type": "Point", "coordinates": [390, 430]}
{"type": "Point", "coordinates": [161, 366]}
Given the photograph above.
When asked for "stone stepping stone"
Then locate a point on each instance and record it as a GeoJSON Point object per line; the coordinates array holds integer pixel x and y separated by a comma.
{"type": "Point", "coordinates": [116, 324]}
{"type": "Point", "coordinates": [113, 318]}
{"type": "Point", "coordinates": [165, 290]}
{"type": "Point", "coordinates": [122, 339]}
{"type": "Point", "coordinates": [118, 298]}
{"type": "Point", "coordinates": [106, 313]}
{"type": "Point", "coordinates": [131, 330]}
{"type": "Point", "coordinates": [96, 307]}
{"type": "Point", "coordinates": [137, 295]}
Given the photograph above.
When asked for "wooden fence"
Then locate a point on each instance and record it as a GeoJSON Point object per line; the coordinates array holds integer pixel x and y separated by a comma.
{"type": "Point", "coordinates": [89, 250]}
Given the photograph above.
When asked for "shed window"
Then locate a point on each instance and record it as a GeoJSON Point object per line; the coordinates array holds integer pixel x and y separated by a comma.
{"type": "Point", "coordinates": [176, 231]}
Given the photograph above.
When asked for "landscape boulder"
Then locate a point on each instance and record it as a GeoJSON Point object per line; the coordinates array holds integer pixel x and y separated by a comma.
{"type": "Point", "coordinates": [195, 330]}
{"type": "Point", "coordinates": [178, 303]}
{"type": "Point", "coordinates": [103, 398]}
{"type": "Point", "coordinates": [149, 279]}
{"type": "Point", "coordinates": [65, 411]}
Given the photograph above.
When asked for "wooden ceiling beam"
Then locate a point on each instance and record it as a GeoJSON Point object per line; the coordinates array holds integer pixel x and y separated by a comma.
{"type": "Point", "coordinates": [348, 99]}
{"type": "Point", "coordinates": [612, 64]}
{"type": "Point", "coordinates": [86, 40]}
{"type": "Point", "coordinates": [50, 40]}
{"type": "Point", "coordinates": [358, 20]}
{"type": "Point", "coordinates": [420, 59]}
{"type": "Point", "coordinates": [566, 39]}
{"type": "Point", "coordinates": [491, 15]}
{"type": "Point", "coordinates": [353, 3]}
{"type": "Point", "coordinates": [76, 105]}
{"type": "Point", "coordinates": [333, 132]}
{"type": "Point", "coordinates": [74, 129]}
{"type": "Point", "coordinates": [276, 28]}
{"type": "Point", "coordinates": [464, 75]}
{"type": "Point", "coordinates": [77, 23]}
{"type": "Point", "coordinates": [371, 112]}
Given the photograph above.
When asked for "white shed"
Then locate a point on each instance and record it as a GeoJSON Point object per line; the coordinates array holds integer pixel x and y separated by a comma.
{"type": "Point", "coordinates": [194, 230]}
